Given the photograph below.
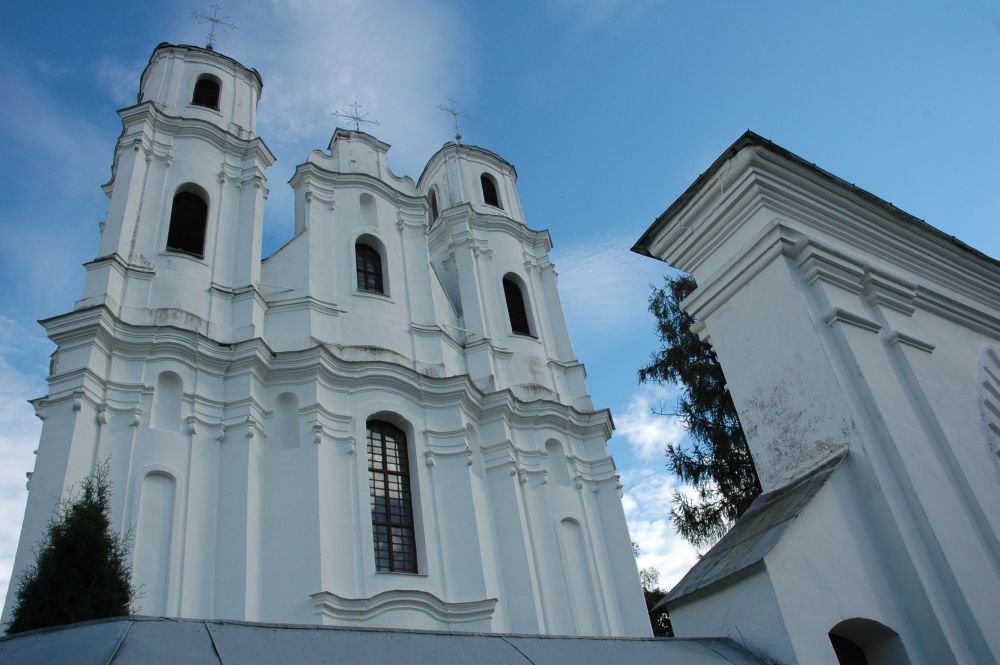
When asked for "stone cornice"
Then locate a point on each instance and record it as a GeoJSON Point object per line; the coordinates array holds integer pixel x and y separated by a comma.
{"type": "Point", "coordinates": [99, 325]}
{"type": "Point", "coordinates": [793, 207]}
{"type": "Point", "coordinates": [136, 134]}
{"type": "Point", "coordinates": [457, 221]}
{"type": "Point", "coordinates": [331, 605]}
{"type": "Point", "coordinates": [311, 174]}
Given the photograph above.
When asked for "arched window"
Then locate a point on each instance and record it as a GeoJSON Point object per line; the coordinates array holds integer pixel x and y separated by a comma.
{"type": "Point", "coordinates": [188, 219]}
{"type": "Point", "coordinates": [432, 200]}
{"type": "Point", "coordinates": [516, 309]}
{"type": "Point", "coordinates": [206, 92]}
{"type": "Point", "coordinates": [392, 509]}
{"type": "Point", "coordinates": [369, 265]}
{"type": "Point", "coordinates": [490, 195]}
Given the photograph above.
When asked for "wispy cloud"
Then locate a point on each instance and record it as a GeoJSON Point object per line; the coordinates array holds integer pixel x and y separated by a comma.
{"type": "Point", "coordinates": [584, 16]}
{"type": "Point", "coordinates": [120, 79]}
{"type": "Point", "coordinates": [644, 428]}
{"type": "Point", "coordinates": [19, 431]}
{"type": "Point", "coordinates": [647, 505]}
{"type": "Point", "coordinates": [399, 60]}
{"type": "Point", "coordinates": [602, 283]}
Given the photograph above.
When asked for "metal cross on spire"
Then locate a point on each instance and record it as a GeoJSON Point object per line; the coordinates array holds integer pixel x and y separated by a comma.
{"type": "Point", "coordinates": [217, 22]}
{"type": "Point", "coordinates": [454, 113]}
{"type": "Point", "coordinates": [356, 116]}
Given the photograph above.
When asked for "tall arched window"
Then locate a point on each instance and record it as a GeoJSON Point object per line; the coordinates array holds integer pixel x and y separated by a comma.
{"type": "Point", "coordinates": [188, 220]}
{"type": "Point", "coordinates": [392, 509]}
{"type": "Point", "coordinates": [490, 194]}
{"type": "Point", "coordinates": [206, 92]}
{"type": "Point", "coordinates": [433, 202]}
{"type": "Point", "coordinates": [369, 266]}
{"type": "Point", "coordinates": [516, 309]}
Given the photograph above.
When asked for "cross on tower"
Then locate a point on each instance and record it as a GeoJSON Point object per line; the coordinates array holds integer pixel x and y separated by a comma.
{"type": "Point", "coordinates": [455, 113]}
{"type": "Point", "coordinates": [356, 116]}
{"type": "Point", "coordinates": [217, 21]}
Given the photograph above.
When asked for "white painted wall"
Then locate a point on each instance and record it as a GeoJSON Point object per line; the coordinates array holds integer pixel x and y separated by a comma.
{"type": "Point", "coordinates": [843, 323]}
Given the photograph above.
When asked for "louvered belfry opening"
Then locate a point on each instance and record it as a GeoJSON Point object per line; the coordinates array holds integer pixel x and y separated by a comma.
{"type": "Point", "coordinates": [188, 220]}
{"type": "Point", "coordinates": [515, 307]}
{"type": "Point", "coordinates": [206, 92]}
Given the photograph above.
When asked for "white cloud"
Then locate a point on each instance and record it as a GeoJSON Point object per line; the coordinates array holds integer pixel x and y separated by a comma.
{"type": "Point", "coordinates": [397, 59]}
{"type": "Point", "coordinates": [585, 16]}
{"type": "Point", "coordinates": [646, 432]}
{"type": "Point", "coordinates": [19, 431]}
{"type": "Point", "coordinates": [647, 505]}
{"type": "Point", "coordinates": [619, 294]}
{"type": "Point", "coordinates": [120, 79]}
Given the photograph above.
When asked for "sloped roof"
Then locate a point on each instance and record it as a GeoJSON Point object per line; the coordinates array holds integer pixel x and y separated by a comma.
{"type": "Point", "coordinates": [147, 641]}
{"type": "Point", "coordinates": [751, 139]}
{"type": "Point", "coordinates": [756, 531]}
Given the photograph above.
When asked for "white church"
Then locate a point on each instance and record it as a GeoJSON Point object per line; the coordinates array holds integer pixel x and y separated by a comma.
{"type": "Point", "coordinates": [381, 424]}
{"type": "Point", "coordinates": [377, 446]}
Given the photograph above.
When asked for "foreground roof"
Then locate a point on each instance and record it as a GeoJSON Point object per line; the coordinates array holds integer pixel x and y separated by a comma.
{"type": "Point", "coordinates": [756, 531]}
{"type": "Point", "coordinates": [145, 640]}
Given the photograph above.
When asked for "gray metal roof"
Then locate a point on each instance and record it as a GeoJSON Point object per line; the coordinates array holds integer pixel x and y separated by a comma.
{"type": "Point", "coordinates": [156, 641]}
{"type": "Point", "coordinates": [755, 532]}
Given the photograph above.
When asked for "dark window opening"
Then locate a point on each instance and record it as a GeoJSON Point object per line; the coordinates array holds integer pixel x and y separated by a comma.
{"type": "Point", "coordinates": [188, 219]}
{"type": "Point", "coordinates": [490, 195]}
{"type": "Point", "coordinates": [515, 307]}
{"type": "Point", "coordinates": [434, 206]}
{"type": "Point", "coordinates": [206, 92]}
{"type": "Point", "coordinates": [848, 653]}
{"type": "Point", "coordinates": [369, 265]}
{"type": "Point", "coordinates": [392, 509]}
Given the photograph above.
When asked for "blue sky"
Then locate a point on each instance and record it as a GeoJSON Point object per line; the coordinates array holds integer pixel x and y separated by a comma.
{"type": "Point", "coordinates": [608, 109]}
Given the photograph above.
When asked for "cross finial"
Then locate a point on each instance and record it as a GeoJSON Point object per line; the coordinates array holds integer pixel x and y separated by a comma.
{"type": "Point", "coordinates": [217, 22]}
{"type": "Point", "coordinates": [454, 113]}
{"type": "Point", "coordinates": [356, 116]}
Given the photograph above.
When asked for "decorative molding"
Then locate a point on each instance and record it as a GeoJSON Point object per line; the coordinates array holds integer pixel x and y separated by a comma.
{"type": "Point", "coordinates": [102, 415]}
{"type": "Point", "coordinates": [893, 293]}
{"type": "Point", "coordinates": [192, 426]}
{"type": "Point", "coordinates": [896, 337]}
{"type": "Point", "coordinates": [841, 315]}
{"type": "Point", "coordinates": [989, 400]}
{"type": "Point", "coordinates": [331, 605]}
{"type": "Point", "coordinates": [346, 443]}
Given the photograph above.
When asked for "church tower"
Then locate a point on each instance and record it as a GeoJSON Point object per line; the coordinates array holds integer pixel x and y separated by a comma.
{"type": "Point", "coordinates": [382, 423]}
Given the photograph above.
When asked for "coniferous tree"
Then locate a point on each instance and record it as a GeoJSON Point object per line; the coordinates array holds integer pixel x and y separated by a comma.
{"type": "Point", "coordinates": [717, 465]}
{"type": "Point", "coordinates": [81, 569]}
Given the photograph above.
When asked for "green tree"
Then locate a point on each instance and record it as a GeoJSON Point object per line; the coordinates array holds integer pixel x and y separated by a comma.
{"type": "Point", "coordinates": [81, 569]}
{"type": "Point", "coordinates": [649, 578]}
{"type": "Point", "coordinates": [717, 465]}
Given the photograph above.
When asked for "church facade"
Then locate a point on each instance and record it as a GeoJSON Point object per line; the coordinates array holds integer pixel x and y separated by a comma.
{"type": "Point", "coordinates": [381, 424]}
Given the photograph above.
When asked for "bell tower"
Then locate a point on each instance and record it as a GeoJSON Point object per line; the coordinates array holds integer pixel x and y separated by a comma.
{"type": "Point", "coordinates": [181, 243]}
